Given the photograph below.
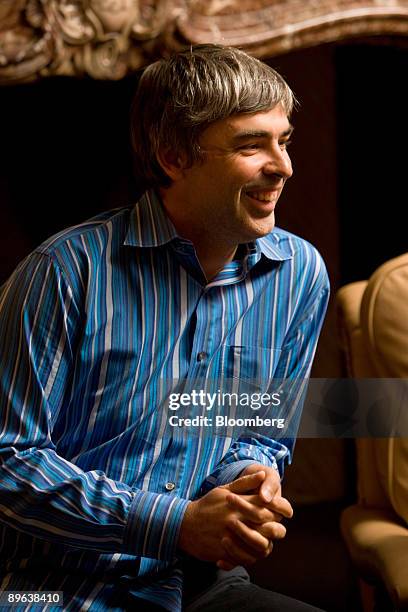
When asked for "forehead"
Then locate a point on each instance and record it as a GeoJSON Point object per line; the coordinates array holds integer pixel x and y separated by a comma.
{"type": "Point", "coordinates": [271, 123]}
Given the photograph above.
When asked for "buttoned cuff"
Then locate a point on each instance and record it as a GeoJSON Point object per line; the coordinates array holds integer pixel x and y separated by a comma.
{"type": "Point", "coordinates": [153, 525]}
{"type": "Point", "coordinates": [232, 471]}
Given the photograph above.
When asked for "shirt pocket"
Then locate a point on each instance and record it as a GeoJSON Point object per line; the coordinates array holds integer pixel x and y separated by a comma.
{"type": "Point", "coordinates": [253, 364]}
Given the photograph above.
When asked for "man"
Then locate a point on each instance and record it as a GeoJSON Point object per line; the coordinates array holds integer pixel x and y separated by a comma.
{"type": "Point", "coordinates": [99, 497]}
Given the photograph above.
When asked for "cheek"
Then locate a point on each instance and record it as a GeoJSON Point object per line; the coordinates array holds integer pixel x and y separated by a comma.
{"type": "Point", "coordinates": [246, 171]}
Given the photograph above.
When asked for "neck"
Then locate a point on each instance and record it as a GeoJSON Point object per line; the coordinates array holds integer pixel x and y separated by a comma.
{"type": "Point", "coordinates": [213, 254]}
{"type": "Point", "coordinates": [213, 260]}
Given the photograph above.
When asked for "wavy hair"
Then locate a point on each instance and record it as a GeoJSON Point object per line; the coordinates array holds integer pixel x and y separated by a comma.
{"type": "Point", "coordinates": [179, 97]}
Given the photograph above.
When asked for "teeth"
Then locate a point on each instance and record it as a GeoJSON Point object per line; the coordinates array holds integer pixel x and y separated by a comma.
{"type": "Point", "coordinates": [263, 197]}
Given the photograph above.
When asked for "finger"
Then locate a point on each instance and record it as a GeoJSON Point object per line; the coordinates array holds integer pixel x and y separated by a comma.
{"type": "Point", "coordinates": [251, 537]}
{"type": "Point", "coordinates": [281, 506]}
{"type": "Point", "coordinates": [225, 565]}
{"type": "Point", "coordinates": [250, 512]}
{"type": "Point", "coordinates": [237, 553]}
{"type": "Point", "coordinates": [270, 486]}
{"type": "Point", "coordinates": [273, 530]}
{"type": "Point", "coordinates": [228, 561]}
{"type": "Point", "coordinates": [246, 483]}
{"type": "Point", "coordinates": [255, 500]}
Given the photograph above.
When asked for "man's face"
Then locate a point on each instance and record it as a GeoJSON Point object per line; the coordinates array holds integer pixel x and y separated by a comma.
{"type": "Point", "coordinates": [234, 191]}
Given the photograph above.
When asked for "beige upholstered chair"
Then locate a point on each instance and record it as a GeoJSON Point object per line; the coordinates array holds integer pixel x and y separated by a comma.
{"type": "Point", "coordinates": [373, 323]}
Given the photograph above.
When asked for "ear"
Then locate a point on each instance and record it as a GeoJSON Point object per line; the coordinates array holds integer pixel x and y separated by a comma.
{"type": "Point", "coordinates": [172, 163]}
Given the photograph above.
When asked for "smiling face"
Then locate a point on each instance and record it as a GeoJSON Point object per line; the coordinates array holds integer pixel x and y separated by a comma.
{"type": "Point", "coordinates": [231, 195]}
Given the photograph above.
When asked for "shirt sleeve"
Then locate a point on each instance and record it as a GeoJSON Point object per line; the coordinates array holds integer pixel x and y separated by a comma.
{"type": "Point", "coordinates": [41, 493]}
{"type": "Point", "coordinates": [292, 373]}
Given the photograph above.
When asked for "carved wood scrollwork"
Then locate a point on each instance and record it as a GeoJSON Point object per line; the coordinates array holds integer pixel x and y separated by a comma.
{"type": "Point", "coordinates": [106, 39]}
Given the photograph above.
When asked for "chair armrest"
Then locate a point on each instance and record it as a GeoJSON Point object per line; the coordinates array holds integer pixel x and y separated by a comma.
{"type": "Point", "coordinates": [377, 541]}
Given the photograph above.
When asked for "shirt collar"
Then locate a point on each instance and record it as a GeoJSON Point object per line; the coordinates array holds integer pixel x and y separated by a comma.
{"type": "Point", "coordinates": [150, 226]}
{"type": "Point", "coordinates": [271, 248]}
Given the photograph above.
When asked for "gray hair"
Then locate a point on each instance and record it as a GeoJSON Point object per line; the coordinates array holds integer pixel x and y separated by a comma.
{"type": "Point", "coordinates": [179, 97]}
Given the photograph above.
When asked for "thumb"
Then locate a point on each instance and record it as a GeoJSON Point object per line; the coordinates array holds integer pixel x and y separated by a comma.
{"type": "Point", "coordinates": [246, 483]}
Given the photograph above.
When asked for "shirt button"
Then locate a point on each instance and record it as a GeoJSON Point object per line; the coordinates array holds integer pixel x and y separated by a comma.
{"type": "Point", "coordinates": [201, 356]}
{"type": "Point", "coordinates": [169, 486]}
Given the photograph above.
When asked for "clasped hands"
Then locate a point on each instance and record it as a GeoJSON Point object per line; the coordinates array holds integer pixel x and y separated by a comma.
{"type": "Point", "coordinates": [236, 524]}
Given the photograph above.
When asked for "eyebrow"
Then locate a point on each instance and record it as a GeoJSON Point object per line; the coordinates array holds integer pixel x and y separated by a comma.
{"type": "Point", "coordinates": [260, 134]}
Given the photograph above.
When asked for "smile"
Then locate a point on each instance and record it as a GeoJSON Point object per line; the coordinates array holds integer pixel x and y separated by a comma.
{"type": "Point", "coordinates": [262, 196]}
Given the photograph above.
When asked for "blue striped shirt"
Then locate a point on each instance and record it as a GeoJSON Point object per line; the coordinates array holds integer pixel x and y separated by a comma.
{"type": "Point", "coordinates": [98, 325]}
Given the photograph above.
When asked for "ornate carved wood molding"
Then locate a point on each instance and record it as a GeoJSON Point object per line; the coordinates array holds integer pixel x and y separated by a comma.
{"type": "Point", "coordinates": [106, 39]}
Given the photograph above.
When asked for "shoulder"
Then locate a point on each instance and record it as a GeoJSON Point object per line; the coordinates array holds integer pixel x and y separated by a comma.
{"type": "Point", "coordinates": [94, 234]}
{"type": "Point", "coordinates": [290, 244]}
{"type": "Point", "coordinates": [74, 258]}
{"type": "Point", "coordinates": [300, 258]}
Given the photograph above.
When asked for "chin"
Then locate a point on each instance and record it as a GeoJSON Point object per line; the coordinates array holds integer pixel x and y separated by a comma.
{"type": "Point", "coordinates": [262, 227]}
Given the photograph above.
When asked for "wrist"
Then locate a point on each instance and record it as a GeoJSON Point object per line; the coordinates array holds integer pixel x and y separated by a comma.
{"type": "Point", "coordinates": [186, 533]}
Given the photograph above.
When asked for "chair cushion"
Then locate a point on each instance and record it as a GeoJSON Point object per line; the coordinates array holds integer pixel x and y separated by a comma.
{"type": "Point", "coordinates": [384, 324]}
{"type": "Point", "coordinates": [391, 455]}
{"type": "Point", "coordinates": [384, 319]}
{"type": "Point", "coordinates": [378, 545]}
{"type": "Point", "coordinates": [348, 301]}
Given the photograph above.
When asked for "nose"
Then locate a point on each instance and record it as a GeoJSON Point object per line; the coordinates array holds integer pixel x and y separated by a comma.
{"type": "Point", "coordinates": [278, 163]}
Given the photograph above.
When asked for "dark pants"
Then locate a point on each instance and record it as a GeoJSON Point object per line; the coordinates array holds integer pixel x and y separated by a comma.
{"type": "Point", "coordinates": [233, 591]}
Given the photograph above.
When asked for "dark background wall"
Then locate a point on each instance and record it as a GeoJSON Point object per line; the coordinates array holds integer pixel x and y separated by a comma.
{"type": "Point", "coordinates": [348, 192]}
{"type": "Point", "coordinates": [64, 156]}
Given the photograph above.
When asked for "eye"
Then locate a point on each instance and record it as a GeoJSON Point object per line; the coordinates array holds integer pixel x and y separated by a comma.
{"type": "Point", "coordinates": [285, 144]}
{"type": "Point", "coordinates": [250, 147]}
